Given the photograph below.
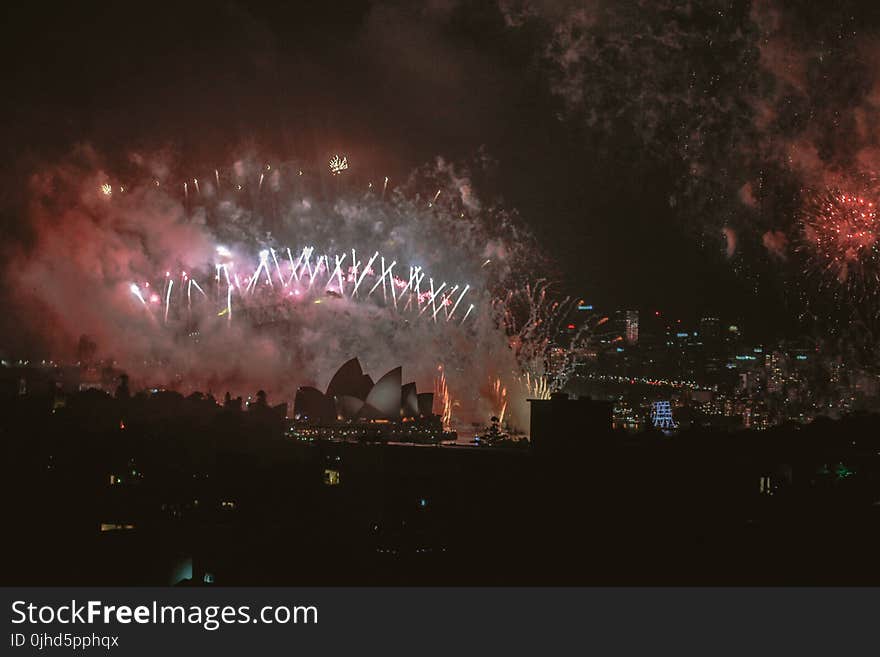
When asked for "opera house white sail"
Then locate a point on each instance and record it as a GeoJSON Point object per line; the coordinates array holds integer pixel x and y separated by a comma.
{"type": "Point", "coordinates": [352, 396]}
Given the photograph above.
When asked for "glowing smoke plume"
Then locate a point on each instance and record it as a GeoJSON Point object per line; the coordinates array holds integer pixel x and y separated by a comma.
{"type": "Point", "coordinates": [238, 285]}
{"type": "Point", "coordinates": [442, 398]}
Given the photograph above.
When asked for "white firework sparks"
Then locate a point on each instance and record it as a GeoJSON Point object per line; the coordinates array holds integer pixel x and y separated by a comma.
{"type": "Point", "coordinates": [338, 164]}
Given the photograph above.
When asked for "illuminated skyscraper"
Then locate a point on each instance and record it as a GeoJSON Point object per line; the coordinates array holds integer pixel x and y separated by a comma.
{"type": "Point", "coordinates": [713, 346]}
{"type": "Point", "coordinates": [661, 415]}
{"type": "Point", "coordinates": [631, 326]}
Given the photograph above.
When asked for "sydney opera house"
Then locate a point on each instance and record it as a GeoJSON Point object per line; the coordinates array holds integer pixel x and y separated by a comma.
{"type": "Point", "coordinates": [354, 407]}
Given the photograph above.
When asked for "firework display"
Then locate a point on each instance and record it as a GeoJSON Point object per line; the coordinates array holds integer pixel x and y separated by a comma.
{"type": "Point", "coordinates": [255, 276]}
{"type": "Point", "coordinates": [275, 283]}
{"type": "Point", "coordinates": [500, 400]}
{"type": "Point", "coordinates": [840, 239]}
{"type": "Point", "coordinates": [337, 164]}
{"type": "Point", "coordinates": [443, 401]}
{"type": "Point", "coordinates": [544, 345]}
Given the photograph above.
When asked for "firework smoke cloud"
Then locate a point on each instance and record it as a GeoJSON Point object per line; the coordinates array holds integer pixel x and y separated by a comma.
{"type": "Point", "coordinates": [757, 109]}
{"type": "Point", "coordinates": [269, 275]}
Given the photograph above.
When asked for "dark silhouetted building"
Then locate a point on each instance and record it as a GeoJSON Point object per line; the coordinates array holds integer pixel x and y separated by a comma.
{"type": "Point", "coordinates": [564, 423]}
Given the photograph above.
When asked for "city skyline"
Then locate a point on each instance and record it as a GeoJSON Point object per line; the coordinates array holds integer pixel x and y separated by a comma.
{"type": "Point", "coordinates": [706, 208]}
{"type": "Point", "coordinates": [381, 293]}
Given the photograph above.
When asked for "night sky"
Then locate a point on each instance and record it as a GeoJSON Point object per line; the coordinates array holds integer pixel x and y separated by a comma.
{"type": "Point", "coordinates": [659, 150]}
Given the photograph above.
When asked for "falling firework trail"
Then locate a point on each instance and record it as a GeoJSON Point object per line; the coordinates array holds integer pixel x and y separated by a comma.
{"type": "Point", "coordinates": [536, 386]}
{"type": "Point", "coordinates": [277, 267]}
{"type": "Point", "coordinates": [499, 399]}
{"type": "Point", "coordinates": [168, 298]}
{"type": "Point", "coordinates": [137, 292]}
{"type": "Point", "coordinates": [355, 263]}
{"type": "Point", "coordinates": [460, 297]}
{"type": "Point", "coordinates": [380, 281]}
{"type": "Point", "coordinates": [350, 282]}
{"type": "Point", "coordinates": [337, 271]}
{"type": "Point", "coordinates": [364, 273]}
{"type": "Point", "coordinates": [292, 267]}
{"type": "Point", "coordinates": [419, 287]}
{"type": "Point", "coordinates": [433, 296]}
{"type": "Point", "coordinates": [441, 394]}
{"type": "Point", "coordinates": [443, 301]}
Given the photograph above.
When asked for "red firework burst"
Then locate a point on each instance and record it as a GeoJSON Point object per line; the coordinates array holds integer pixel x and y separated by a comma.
{"type": "Point", "coordinates": [840, 238]}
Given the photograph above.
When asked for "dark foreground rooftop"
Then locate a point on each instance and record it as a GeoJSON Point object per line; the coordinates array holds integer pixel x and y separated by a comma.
{"type": "Point", "coordinates": [162, 489]}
